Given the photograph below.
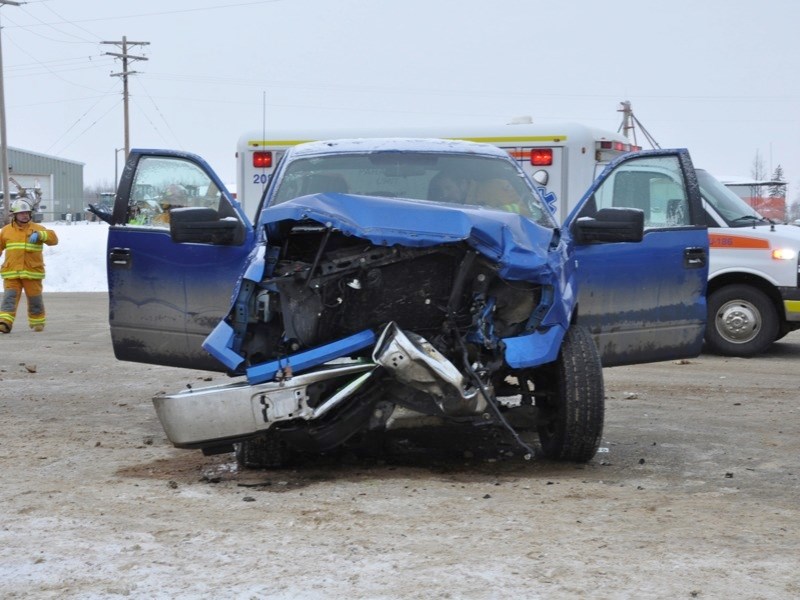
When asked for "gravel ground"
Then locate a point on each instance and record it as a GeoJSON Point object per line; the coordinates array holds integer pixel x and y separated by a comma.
{"type": "Point", "coordinates": [694, 493]}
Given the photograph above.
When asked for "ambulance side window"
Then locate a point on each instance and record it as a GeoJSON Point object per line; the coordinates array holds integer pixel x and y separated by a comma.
{"type": "Point", "coordinates": [653, 185]}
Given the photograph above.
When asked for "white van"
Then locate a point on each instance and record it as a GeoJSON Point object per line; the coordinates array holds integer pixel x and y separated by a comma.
{"type": "Point", "coordinates": [753, 294]}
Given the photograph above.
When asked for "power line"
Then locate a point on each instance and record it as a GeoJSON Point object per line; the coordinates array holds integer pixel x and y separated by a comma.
{"type": "Point", "coordinates": [52, 26]}
{"type": "Point", "coordinates": [163, 118]}
{"type": "Point", "coordinates": [151, 14]}
{"type": "Point", "coordinates": [87, 128]}
{"type": "Point", "coordinates": [72, 23]}
{"type": "Point", "coordinates": [49, 70]}
{"type": "Point", "coordinates": [77, 121]}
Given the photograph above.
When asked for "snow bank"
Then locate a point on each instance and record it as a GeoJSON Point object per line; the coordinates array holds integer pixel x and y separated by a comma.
{"type": "Point", "coordinates": [78, 262]}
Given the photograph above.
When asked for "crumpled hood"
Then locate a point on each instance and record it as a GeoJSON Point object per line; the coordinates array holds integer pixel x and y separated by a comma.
{"type": "Point", "coordinates": [519, 245]}
{"type": "Point", "coordinates": [523, 251]}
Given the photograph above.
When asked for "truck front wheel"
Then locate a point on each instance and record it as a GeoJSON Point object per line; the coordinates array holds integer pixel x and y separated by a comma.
{"type": "Point", "coordinates": [742, 321]}
{"type": "Point", "coordinates": [570, 400]}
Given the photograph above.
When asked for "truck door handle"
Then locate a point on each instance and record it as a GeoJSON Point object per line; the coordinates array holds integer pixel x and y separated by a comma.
{"type": "Point", "coordinates": [120, 258]}
{"type": "Point", "coordinates": [694, 258]}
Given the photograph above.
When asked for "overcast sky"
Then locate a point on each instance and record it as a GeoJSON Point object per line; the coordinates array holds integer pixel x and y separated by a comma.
{"type": "Point", "coordinates": [720, 77]}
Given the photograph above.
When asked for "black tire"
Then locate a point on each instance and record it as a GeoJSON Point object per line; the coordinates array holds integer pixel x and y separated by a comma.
{"type": "Point", "coordinates": [785, 328]}
{"type": "Point", "coordinates": [571, 416]}
{"type": "Point", "coordinates": [265, 451]}
{"type": "Point", "coordinates": [742, 321]}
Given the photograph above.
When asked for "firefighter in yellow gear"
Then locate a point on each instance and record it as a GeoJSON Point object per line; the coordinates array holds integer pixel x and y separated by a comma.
{"type": "Point", "coordinates": [23, 268]}
{"type": "Point", "coordinates": [499, 194]}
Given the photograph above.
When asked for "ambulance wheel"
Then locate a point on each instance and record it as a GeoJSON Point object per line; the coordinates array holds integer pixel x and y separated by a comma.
{"type": "Point", "coordinates": [570, 400]}
{"type": "Point", "coordinates": [742, 321]}
{"type": "Point", "coordinates": [786, 328]}
{"type": "Point", "coordinates": [265, 451]}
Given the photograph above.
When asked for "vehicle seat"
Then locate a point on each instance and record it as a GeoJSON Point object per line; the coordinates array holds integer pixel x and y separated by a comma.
{"type": "Point", "coordinates": [677, 212]}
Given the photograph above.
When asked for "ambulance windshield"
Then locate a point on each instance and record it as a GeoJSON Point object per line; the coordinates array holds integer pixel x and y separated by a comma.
{"type": "Point", "coordinates": [735, 211]}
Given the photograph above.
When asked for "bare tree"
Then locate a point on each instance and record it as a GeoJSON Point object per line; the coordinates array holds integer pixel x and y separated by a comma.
{"type": "Point", "coordinates": [757, 170]}
{"type": "Point", "coordinates": [794, 211]}
{"type": "Point", "coordinates": [758, 173]}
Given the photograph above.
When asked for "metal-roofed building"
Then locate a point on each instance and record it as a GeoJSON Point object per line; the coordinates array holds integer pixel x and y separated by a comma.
{"type": "Point", "coordinates": [59, 180]}
{"type": "Point", "coordinates": [756, 193]}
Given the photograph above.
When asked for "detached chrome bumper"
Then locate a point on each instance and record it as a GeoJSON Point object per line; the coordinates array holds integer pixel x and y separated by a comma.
{"type": "Point", "coordinates": [196, 418]}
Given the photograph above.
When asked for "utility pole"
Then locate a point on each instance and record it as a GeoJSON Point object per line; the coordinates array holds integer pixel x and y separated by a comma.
{"type": "Point", "coordinates": [626, 127]}
{"type": "Point", "coordinates": [3, 134]}
{"type": "Point", "coordinates": [630, 123]}
{"type": "Point", "coordinates": [124, 74]}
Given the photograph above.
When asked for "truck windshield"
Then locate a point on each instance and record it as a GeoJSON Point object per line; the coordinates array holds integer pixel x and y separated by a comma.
{"type": "Point", "coordinates": [453, 178]}
{"type": "Point", "coordinates": [735, 211]}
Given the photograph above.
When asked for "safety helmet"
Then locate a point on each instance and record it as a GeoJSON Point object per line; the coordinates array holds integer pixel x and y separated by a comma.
{"type": "Point", "coordinates": [18, 206]}
{"type": "Point", "coordinates": [174, 196]}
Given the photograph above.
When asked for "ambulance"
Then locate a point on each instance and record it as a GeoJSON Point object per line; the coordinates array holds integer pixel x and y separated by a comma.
{"type": "Point", "coordinates": [562, 159]}
{"type": "Point", "coordinates": [753, 294]}
{"type": "Point", "coordinates": [753, 275]}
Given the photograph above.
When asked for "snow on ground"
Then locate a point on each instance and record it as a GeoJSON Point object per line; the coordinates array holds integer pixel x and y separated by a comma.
{"type": "Point", "coordinates": [78, 262]}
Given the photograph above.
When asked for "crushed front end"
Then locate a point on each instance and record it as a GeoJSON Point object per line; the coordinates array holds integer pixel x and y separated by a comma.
{"type": "Point", "coordinates": [346, 323]}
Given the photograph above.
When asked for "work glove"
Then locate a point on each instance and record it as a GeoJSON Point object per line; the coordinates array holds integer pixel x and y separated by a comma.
{"type": "Point", "coordinates": [34, 237]}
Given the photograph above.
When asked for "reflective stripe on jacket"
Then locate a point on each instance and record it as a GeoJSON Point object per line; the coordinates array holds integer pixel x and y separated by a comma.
{"type": "Point", "coordinates": [23, 259]}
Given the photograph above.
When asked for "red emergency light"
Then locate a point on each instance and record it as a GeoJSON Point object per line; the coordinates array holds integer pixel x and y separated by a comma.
{"type": "Point", "coordinates": [262, 160]}
{"type": "Point", "coordinates": [542, 157]}
{"type": "Point", "coordinates": [619, 146]}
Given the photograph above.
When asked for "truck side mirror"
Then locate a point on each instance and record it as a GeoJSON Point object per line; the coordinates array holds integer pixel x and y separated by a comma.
{"type": "Point", "coordinates": [101, 212]}
{"type": "Point", "coordinates": [610, 225]}
{"type": "Point", "coordinates": [204, 226]}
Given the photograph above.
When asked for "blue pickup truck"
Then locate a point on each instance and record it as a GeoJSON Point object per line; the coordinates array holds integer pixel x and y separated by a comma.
{"type": "Point", "coordinates": [393, 280]}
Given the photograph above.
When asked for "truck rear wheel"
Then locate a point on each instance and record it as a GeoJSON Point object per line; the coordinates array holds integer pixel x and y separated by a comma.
{"type": "Point", "coordinates": [742, 321]}
{"type": "Point", "coordinates": [570, 415]}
